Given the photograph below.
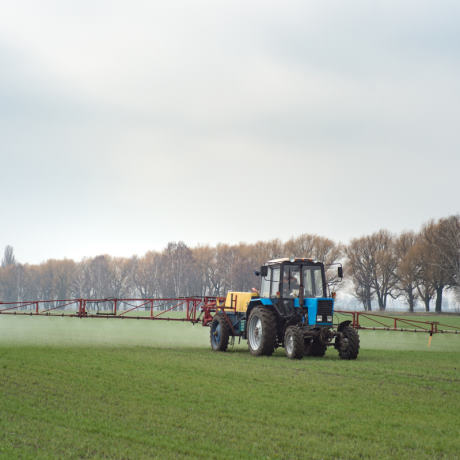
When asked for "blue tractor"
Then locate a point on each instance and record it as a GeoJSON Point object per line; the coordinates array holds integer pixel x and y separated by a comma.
{"type": "Point", "coordinates": [291, 310]}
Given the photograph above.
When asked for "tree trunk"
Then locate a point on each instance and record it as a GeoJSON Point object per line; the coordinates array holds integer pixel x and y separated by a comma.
{"type": "Point", "coordinates": [410, 297]}
{"type": "Point", "coordinates": [368, 299]}
{"type": "Point", "coordinates": [439, 299]}
{"type": "Point", "coordinates": [380, 301]}
{"type": "Point", "coordinates": [426, 300]}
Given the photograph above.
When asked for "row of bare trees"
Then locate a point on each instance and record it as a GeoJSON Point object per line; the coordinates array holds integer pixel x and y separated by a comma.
{"type": "Point", "coordinates": [176, 271]}
{"type": "Point", "coordinates": [410, 266]}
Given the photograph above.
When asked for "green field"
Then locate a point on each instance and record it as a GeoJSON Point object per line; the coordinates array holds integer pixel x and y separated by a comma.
{"type": "Point", "coordinates": [82, 388]}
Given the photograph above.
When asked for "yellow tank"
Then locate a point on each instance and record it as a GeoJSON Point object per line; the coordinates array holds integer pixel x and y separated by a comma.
{"type": "Point", "coordinates": [239, 300]}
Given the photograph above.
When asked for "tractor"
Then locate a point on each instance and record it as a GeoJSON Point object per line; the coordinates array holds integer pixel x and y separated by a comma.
{"type": "Point", "coordinates": [291, 310]}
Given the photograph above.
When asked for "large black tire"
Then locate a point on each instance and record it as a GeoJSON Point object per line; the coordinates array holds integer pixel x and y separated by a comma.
{"type": "Point", "coordinates": [348, 344]}
{"type": "Point", "coordinates": [220, 332]}
{"type": "Point", "coordinates": [315, 348]}
{"type": "Point", "coordinates": [294, 342]}
{"type": "Point", "coordinates": [261, 331]}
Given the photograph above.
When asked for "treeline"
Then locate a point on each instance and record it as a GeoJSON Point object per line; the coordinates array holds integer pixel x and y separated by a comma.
{"type": "Point", "coordinates": [412, 266]}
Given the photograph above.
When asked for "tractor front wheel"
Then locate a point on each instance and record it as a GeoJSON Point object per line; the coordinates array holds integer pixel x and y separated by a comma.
{"type": "Point", "coordinates": [261, 331]}
{"type": "Point", "coordinates": [220, 333]}
{"type": "Point", "coordinates": [315, 348]}
{"type": "Point", "coordinates": [348, 343]}
{"type": "Point", "coordinates": [293, 342]}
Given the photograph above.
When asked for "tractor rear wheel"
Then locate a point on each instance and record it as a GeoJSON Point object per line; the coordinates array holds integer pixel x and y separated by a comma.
{"type": "Point", "coordinates": [315, 348]}
{"type": "Point", "coordinates": [220, 332]}
{"type": "Point", "coordinates": [348, 344]}
{"type": "Point", "coordinates": [261, 331]}
{"type": "Point", "coordinates": [294, 342]}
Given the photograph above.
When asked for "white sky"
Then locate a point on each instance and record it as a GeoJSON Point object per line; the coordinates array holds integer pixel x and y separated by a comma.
{"type": "Point", "coordinates": [125, 125]}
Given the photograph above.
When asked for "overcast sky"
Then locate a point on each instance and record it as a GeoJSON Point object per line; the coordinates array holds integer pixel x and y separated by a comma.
{"type": "Point", "coordinates": [125, 125]}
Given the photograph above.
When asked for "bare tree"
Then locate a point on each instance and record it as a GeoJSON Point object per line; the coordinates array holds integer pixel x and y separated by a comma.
{"type": "Point", "coordinates": [9, 286]}
{"type": "Point", "coordinates": [417, 257]}
{"type": "Point", "coordinates": [120, 270]}
{"type": "Point", "coordinates": [447, 243]}
{"type": "Point", "coordinates": [359, 268]}
{"type": "Point", "coordinates": [268, 250]}
{"type": "Point", "coordinates": [30, 288]}
{"type": "Point", "coordinates": [146, 274]}
{"type": "Point", "coordinates": [99, 276]}
{"type": "Point", "coordinates": [206, 267]}
{"type": "Point", "coordinates": [373, 266]}
{"type": "Point", "coordinates": [301, 246]}
{"type": "Point", "coordinates": [9, 276]}
{"type": "Point", "coordinates": [8, 257]}
{"type": "Point", "coordinates": [176, 270]}
{"type": "Point", "coordinates": [384, 267]}
{"type": "Point", "coordinates": [406, 271]}
{"type": "Point", "coordinates": [64, 275]}
{"type": "Point", "coordinates": [225, 261]}
{"type": "Point", "coordinates": [81, 283]}
{"type": "Point", "coordinates": [442, 251]}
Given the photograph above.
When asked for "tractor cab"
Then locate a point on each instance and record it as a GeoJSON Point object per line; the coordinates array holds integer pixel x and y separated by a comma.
{"type": "Point", "coordinates": [292, 278]}
{"type": "Point", "coordinates": [296, 288]}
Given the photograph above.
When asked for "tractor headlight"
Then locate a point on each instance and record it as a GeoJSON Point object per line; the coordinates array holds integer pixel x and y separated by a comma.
{"type": "Point", "coordinates": [319, 318]}
{"type": "Point", "coordinates": [329, 319]}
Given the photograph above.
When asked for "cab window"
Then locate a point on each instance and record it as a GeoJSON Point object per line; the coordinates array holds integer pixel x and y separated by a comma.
{"type": "Point", "coordinates": [265, 285]}
{"type": "Point", "coordinates": [275, 281]}
{"type": "Point", "coordinates": [291, 281]}
{"type": "Point", "coordinates": [313, 282]}
{"type": "Point", "coordinates": [307, 283]}
{"type": "Point", "coordinates": [318, 281]}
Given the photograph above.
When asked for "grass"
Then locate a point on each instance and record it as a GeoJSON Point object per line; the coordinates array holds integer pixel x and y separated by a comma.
{"type": "Point", "coordinates": [72, 388]}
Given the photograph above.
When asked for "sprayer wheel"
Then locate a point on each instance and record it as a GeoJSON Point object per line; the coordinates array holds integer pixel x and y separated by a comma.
{"type": "Point", "coordinates": [220, 333]}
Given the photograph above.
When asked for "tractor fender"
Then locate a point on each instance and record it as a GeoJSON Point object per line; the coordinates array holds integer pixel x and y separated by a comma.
{"type": "Point", "coordinates": [251, 305]}
{"type": "Point", "coordinates": [343, 325]}
{"type": "Point", "coordinates": [260, 302]}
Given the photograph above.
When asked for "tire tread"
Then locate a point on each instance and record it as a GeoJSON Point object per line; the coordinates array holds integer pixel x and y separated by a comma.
{"type": "Point", "coordinates": [352, 350]}
{"type": "Point", "coordinates": [268, 320]}
{"type": "Point", "coordinates": [298, 351]}
{"type": "Point", "coordinates": [224, 331]}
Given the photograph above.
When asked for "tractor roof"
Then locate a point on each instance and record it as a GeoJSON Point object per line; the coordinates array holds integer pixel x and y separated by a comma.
{"type": "Point", "coordinates": [287, 259]}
